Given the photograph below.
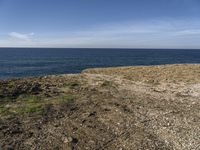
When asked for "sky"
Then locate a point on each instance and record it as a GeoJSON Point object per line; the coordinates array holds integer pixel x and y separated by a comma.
{"type": "Point", "coordinates": [100, 23]}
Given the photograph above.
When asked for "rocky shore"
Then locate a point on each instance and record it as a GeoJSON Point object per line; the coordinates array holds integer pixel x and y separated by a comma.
{"type": "Point", "coordinates": [123, 108]}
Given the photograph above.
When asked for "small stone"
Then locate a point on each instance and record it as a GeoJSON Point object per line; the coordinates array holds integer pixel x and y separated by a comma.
{"type": "Point", "coordinates": [67, 139]}
{"type": "Point", "coordinates": [10, 147]}
{"type": "Point", "coordinates": [74, 141]}
{"type": "Point", "coordinates": [70, 139]}
{"type": "Point", "coordinates": [92, 114]}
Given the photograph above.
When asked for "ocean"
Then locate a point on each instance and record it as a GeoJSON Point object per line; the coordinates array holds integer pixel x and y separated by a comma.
{"type": "Point", "coordinates": [22, 62]}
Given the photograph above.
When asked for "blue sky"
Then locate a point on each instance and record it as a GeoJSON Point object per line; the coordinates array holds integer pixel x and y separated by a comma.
{"type": "Point", "coordinates": [100, 23]}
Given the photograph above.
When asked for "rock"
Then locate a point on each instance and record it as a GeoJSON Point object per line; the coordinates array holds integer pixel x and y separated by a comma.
{"type": "Point", "coordinates": [35, 89]}
{"type": "Point", "coordinates": [92, 114]}
{"type": "Point", "coordinates": [10, 147]}
{"type": "Point", "coordinates": [67, 139]}
{"type": "Point", "coordinates": [71, 140]}
{"type": "Point", "coordinates": [16, 130]}
{"type": "Point", "coordinates": [74, 141]}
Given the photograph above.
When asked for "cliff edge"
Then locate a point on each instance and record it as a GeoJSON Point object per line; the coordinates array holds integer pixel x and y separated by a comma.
{"type": "Point", "coordinates": [124, 108]}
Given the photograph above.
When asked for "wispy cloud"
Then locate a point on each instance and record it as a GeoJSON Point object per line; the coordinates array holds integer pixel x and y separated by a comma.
{"type": "Point", "coordinates": [21, 36]}
{"type": "Point", "coordinates": [149, 34]}
{"type": "Point", "coordinates": [189, 32]}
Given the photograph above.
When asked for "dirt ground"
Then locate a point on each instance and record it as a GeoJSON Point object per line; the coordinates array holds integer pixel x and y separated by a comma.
{"type": "Point", "coordinates": [125, 108]}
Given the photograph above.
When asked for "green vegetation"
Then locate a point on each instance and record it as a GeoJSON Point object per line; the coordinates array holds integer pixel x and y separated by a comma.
{"type": "Point", "coordinates": [3, 110]}
{"type": "Point", "coordinates": [11, 84]}
{"type": "Point", "coordinates": [33, 103]}
{"type": "Point", "coordinates": [30, 108]}
{"type": "Point", "coordinates": [30, 103]}
{"type": "Point", "coordinates": [69, 98]}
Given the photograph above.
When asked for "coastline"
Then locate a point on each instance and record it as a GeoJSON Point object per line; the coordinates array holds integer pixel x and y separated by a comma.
{"type": "Point", "coordinates": [112, 70]}
{"type": "Point", "coordinates": [104, 108]}
{"type": "Point", "coordinates": [19, 62]}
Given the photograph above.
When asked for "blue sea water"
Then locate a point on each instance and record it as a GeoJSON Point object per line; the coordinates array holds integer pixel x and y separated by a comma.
{"type": "Point", "coordinates": [21, 62]}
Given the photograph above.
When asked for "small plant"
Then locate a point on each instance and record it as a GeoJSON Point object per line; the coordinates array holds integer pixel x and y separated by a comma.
{"type": "Point", "coordinates": [31, 108]}
{"type": "Point", "coordinates": [11, 84]}
{"type": "Point", "coordinates": [30, 104]}
{"type": "Point", "coordinates": [107, 83]}
{"type": "Point", "coordinates": [3, 110]}
{"type": "Point", "coordinates": [68, 98]}
{"type": "Point", "coordinates": [72, 84]}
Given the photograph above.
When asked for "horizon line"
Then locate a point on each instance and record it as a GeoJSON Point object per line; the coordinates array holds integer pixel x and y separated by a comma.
{"type": "Point", "coordinates": [101, 48]}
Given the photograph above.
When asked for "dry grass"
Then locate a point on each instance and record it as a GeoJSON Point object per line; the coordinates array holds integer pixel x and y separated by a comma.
{"type": "Point", "coordinates": [189, 73]}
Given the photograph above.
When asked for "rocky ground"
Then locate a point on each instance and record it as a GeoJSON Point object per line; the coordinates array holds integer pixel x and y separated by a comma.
{"type": "Point", "coordinates": [124, 108]}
